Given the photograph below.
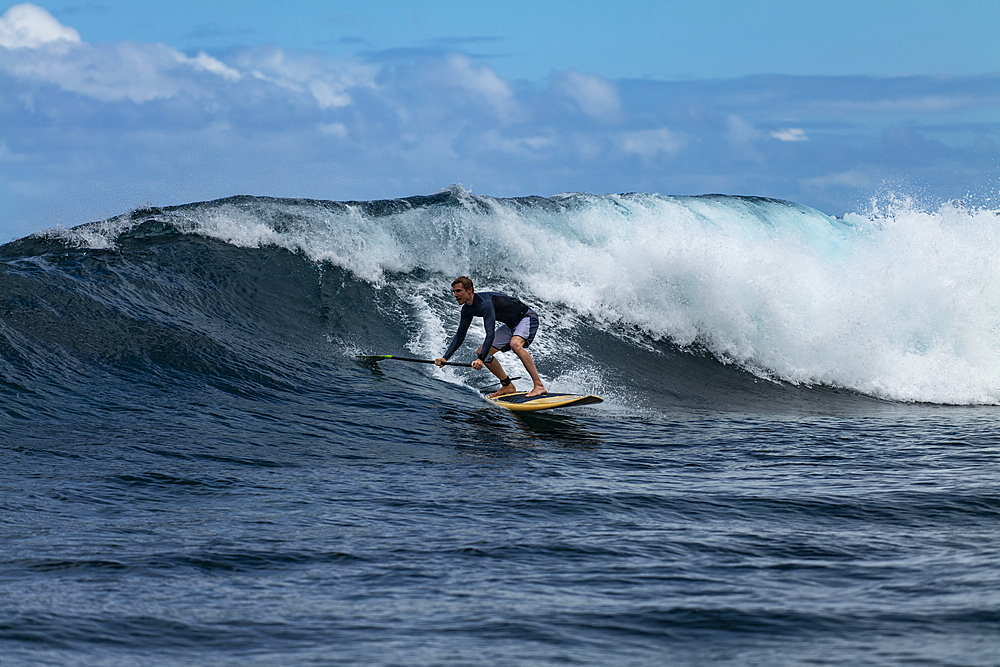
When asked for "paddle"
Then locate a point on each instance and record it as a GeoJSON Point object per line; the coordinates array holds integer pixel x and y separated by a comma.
{"type": "Point", "coordinates": [386, 357]}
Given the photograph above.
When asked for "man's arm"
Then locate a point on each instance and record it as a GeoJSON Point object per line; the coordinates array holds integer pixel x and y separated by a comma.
{"type": "Point", "coordinates": [463, 328]}
{"type": "Point", "coordinates": [490, 324]}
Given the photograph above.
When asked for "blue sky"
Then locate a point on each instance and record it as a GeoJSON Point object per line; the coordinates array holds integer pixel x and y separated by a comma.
{"type": "Point", "coordinates": [109, 105]}
{"type": "Point", "coordinates": [637, 39]}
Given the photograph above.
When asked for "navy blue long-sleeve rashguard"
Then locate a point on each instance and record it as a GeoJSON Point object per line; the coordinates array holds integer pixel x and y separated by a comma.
{"type": "Point", "coordinates": [491, 306]}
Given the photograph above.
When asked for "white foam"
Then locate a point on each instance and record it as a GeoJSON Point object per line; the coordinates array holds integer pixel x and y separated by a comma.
{"type": "Point", "coordinates": [902, 304]}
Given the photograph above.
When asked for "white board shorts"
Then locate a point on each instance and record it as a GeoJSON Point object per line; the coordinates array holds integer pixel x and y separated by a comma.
{"type": "Point", "coordinates": [526, 329]}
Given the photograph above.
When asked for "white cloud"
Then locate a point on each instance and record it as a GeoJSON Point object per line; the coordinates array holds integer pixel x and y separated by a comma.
{"type": "Point", "coordinates": [790, 134]}
{"type": "Point", "coordinates": [28, 26]}
{"type": "Point", "coordinates": [326, 81]}
{"type": "Point", "coordinates": [144, 72]}
{"type": "Point", "coordinates": [739, 131]}
{"type": "Point", "coordinates": [525, 146]}
{"type": "Point", "coordinates": [329, 95]}
{"type": "Point", "coordinates": [125, 71]}
{"type": "Point", "coordinates": [596, 97]}
{"type": "Point", "coordinates": [41, 50]}
{"type": "Point", "coordinates": [333, 129]}
{"type": "Point", "coordinates": [483, 81]}
{"type": "Point", "coordinates": [647, 144]}
{"type": "Point", "coordinates": [207, 63]}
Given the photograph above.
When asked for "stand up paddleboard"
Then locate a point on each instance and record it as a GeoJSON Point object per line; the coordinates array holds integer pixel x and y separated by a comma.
{"type": "Point", "coordinates": [518, 402]}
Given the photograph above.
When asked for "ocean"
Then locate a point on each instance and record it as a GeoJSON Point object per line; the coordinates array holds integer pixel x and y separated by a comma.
{"type": "Point", "coordinates": [796, 462]}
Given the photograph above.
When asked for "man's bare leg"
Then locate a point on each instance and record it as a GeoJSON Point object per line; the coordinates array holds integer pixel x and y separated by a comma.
{"type": "Point", "coordinates": [517, 345]}
{"type": "Point", "coordinates": [501, 374]}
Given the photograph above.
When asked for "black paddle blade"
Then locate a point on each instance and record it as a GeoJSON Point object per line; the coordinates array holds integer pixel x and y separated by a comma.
{"type": "Point", "coordinates": [369, 363]}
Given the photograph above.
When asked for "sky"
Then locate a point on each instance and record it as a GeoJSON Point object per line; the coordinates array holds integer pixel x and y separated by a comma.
{"type": "Point", "coordinates": [109, 105]}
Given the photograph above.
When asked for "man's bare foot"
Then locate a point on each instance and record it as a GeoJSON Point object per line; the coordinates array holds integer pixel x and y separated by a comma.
{"type": "Point", "coordinates": [503, 391]}
{"type": "Point", "coordinates": [537, 390]}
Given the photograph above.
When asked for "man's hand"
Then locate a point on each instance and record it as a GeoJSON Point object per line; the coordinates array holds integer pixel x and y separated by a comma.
{"type": "Point", "coordinates": [440, 361]}
{"type": "Point", "coordinates": [478, 364]}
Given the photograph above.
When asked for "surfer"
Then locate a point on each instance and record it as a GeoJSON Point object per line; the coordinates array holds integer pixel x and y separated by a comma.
{"type": "Point", "coordinates": [519, 323]}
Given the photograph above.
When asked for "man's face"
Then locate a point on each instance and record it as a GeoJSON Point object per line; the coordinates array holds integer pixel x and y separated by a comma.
{"type": "Point", "coordinates": [462, 295]}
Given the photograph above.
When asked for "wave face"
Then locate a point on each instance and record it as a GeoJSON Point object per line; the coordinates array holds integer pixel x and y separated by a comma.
{"type": "Point", "coordinates": [710, 301]}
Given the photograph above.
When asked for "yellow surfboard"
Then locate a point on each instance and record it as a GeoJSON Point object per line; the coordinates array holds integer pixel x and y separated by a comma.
{"type": "Point", "coordinates": [519, 403]}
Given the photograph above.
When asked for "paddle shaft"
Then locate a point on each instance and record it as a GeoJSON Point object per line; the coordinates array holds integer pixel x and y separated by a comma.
{"type": "Point", "coordinates": [381, 357]}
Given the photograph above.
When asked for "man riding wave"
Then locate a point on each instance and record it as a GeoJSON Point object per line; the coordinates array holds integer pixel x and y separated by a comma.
{"type": "Point", "coordinates": [519, 324]}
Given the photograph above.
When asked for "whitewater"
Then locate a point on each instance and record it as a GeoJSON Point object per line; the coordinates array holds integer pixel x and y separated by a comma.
{"type": "Point", "coordinates": [795, 464]}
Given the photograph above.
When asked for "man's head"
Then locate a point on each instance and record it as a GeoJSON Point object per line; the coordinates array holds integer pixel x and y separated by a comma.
{"type": "Point", "coordinates": [463, 291]}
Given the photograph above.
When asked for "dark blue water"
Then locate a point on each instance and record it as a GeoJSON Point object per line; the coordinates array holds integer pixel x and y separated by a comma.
{"type": "Point", "coordinates": [198, 471]}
